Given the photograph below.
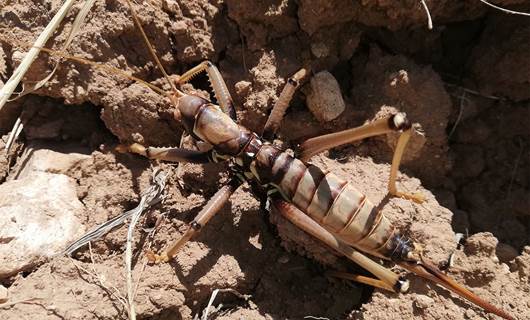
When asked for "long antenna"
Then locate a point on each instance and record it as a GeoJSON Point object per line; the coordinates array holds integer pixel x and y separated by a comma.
{"type": "Point", "coordinates": [148, 44]}
{"type": "Point", "coordinates": [103, 67]}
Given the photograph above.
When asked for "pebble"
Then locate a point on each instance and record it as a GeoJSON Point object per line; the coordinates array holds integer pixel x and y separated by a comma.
{"type": "Point", "coordinates": [423, 301]}
{"type": "Point", "coordinates": [324, 99]}
{"type": "Point", "coordinates": [38, 218]}
{"type": "Point", "coordinates": [4, 294]}
{"type": "Point", "coordinates": [243, 87]}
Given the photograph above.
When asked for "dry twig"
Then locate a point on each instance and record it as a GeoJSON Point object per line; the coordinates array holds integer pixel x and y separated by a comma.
{"type": "Point", "coordinates": [152, 195]}
{"type": "Point", "coordinates": [99, 281]}
{"type": "Point", "coordinates": [505, 10]}
{"type": "Point", "coordinates": [429, 19]}
{"type": "Point", "coordinates": [460, 113]}
{"type": "Point", "coordinates": [7, 90]}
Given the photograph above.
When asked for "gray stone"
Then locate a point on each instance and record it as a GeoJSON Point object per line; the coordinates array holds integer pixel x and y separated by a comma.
{"type": "Point", "coordinates": [38, 218]}
{"type": "Point", "coordinates": [324, 99]}
{"type": "Point", "coordinates": [423, 301]}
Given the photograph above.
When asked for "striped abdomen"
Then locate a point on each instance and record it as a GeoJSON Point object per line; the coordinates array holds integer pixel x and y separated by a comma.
{"type": "Point", "coordinates": [331, 201]}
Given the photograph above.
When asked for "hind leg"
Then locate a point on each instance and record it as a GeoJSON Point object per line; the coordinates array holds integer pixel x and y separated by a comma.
{"type": "Point", "coordinates": [387, 279]}
{"type": "Point", "coordinates": [396, 122]}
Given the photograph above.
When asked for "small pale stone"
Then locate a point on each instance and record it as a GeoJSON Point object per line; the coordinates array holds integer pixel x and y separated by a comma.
{"type": "Point", "coordinates": [325, 99]}
{"type": "Point", "coordinates": [4, 294]}
{"type": "Point", "coordinates": [38, 219]}
{"type": "Point", "coordinates": [319, 50]}
{"type": "Point", "coordinates": [470, 313]}
{"type": "Point", "coordinates": [243, 87]}
{"type": "Point", "coordinates": [423, 301]}
{"type": "Point", "coordinates": [45, 160]}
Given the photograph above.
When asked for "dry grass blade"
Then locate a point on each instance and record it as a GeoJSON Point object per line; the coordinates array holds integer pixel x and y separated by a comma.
{"type": "Point", "coordinates": [429, 19]}
{"type": "Point", "coordinates": [13, 135]}
{"type": "Point", "coordinates": [75, 28]}
{"type": "Point", "coordinates": [128, 261]}
{"type": "Point", "coordinates": [207, 310]}
{"type": "Point", "coordinates": [20, 71]}
{"type": "Point", "coordinates": [150, 197]}
{"type": "Point", "coordinates": [13, 82]}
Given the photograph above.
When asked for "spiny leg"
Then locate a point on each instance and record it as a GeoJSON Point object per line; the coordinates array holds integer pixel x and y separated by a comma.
{"type": "Point", "coordinates": [396, 122]}
{"type": "Point", "coordinates": [281, 105]}
{"type": "Point", "coordinates": [218, 85]}
{"type": "Point", "coordinates": [304, 222]}
{"type": "Point", "coordinates": [210, 209]}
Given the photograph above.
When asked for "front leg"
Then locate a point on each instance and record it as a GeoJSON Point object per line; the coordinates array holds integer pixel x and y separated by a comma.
{"type": "Point", "coordinates": [218, 85]}
{"type": "Point", "coordinates": [168, 154]}
{"type": "Point", "coordinates": [281, 105]}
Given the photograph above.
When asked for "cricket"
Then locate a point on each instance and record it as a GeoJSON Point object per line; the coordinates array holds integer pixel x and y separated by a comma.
{"type": "Point", "coordinates": [320, 202]}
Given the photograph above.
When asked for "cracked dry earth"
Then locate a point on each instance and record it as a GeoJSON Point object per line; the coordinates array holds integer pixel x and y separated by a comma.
{"type": "Point", "coordinates": [465, 85]}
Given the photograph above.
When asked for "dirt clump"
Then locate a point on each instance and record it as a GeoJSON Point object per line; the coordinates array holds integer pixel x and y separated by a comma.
{"type": "Point", "coordinates": [504, 48]}
{"type": "Point", "coordinates": [398, 82]}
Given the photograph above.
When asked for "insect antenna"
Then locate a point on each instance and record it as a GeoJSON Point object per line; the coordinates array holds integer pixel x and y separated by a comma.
{"type": "Point", "coordinates": [104, 67]}
{"type": "Point", "coordinates": [150, 47]}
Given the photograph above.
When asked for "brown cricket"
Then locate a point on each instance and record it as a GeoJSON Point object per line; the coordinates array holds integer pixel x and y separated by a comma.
{"type": "Point", "coordinates": [322, 204]}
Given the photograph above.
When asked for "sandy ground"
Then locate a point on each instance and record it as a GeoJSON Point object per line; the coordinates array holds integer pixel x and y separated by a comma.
{"type": "Point", "coordinates": [465, 84]}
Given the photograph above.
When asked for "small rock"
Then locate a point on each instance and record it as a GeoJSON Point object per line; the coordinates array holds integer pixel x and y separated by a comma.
{"type": "Point", "coordinates": [481, 244]}
{"type": "Point", "coordinates": [423, 301]}
{"type": "Point", "coordinates": [319, 50]}
{"type": "Point", "coordinates": [172, 6]}
{"type": "Point", "coordinates": [505, 252]}
{"type": "Point", "coordinates": [4, 294]}
{"type": "Point", "coordinates": [243, 87]}
{"type": "Point", "coordinates": [45, 160]}
{"type": "Point", "coordinates": [522, 263]}
{"type": "Point", "coordinates": [325, 99]}
{"type": "Point", "coordinates": [38, 218]}
{"type": "Point", "coordinates": [470, 314]}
